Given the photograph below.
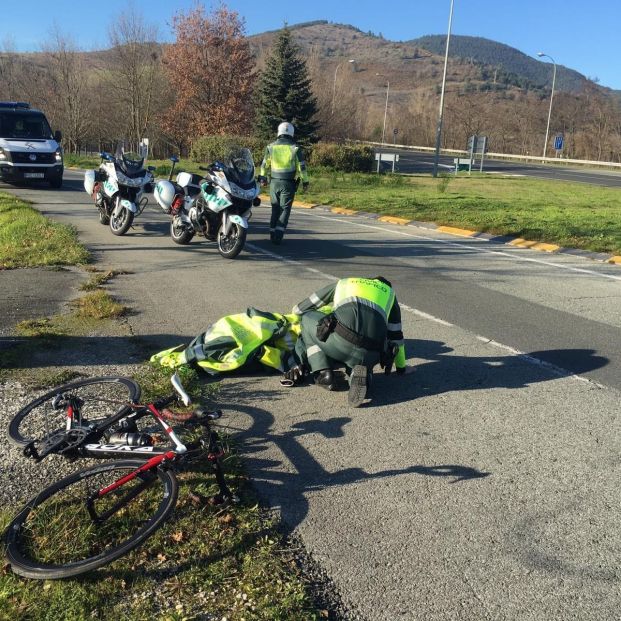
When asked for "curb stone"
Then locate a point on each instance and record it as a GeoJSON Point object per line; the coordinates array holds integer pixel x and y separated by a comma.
{"type": "Point", "coordinates": [449, 230]}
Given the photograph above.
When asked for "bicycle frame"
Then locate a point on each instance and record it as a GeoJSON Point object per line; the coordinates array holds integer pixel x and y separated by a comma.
{"type": "Point", "coordinates": [99, 450]}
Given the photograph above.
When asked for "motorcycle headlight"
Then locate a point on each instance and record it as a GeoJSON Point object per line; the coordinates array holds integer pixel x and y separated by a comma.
{"type": "Point", "coordinates": [125, 180]}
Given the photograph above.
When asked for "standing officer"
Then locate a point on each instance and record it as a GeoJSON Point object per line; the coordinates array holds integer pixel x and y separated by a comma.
{"type": "Point", "coordinates": [283, 161]}
{"type": "Point", "coordinates": [355, 322]}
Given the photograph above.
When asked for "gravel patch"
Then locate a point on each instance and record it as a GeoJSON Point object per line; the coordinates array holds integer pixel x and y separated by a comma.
{"type": "Point", "coordinates": [21, 478]}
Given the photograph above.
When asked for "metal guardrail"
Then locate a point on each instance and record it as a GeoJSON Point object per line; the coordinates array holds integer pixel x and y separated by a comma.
{"type": "Point", "coordinates": [508, 156]}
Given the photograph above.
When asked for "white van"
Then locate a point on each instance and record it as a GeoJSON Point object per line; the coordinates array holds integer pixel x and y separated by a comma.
{"type": "Point", "coordinates": [29, 151]}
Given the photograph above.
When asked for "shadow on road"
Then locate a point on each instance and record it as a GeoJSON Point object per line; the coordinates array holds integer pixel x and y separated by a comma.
{"type": "Point", "coordinates": [442, 371]}
{"type": "Point", "coordinates": [288, 488]}
{"type": "Point", "coordinates": [23, 352]}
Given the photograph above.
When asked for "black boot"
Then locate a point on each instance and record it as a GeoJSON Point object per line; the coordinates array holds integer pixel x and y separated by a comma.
{"type": "Point", "coordinates": [325, 379]}
{"type": "Point", "coordinates": [359, 381]}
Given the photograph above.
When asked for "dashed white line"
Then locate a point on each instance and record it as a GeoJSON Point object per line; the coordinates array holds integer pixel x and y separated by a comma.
{"type": "Point", "coordinates": [520, 354]}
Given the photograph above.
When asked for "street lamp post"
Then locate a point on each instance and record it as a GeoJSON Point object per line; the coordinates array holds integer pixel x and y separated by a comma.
{"type": "Point", "coordinates": [545, 144]}
{"type": "Point", "coordinates": [351, 60]}
{"type": "Point", "coordinates": [436, 159]}
{"type": "Point", "coordinates": [385, 108]}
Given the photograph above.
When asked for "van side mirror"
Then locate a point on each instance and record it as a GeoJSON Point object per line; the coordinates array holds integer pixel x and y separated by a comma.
{"type": "Point", "coordinates": [58, 136]}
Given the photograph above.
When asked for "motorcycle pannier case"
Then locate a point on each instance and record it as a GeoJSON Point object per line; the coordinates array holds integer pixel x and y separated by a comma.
{"type": "Point", "coordinates": [164, 194]}
{"type": "Point", "coordinates": [89, 181]}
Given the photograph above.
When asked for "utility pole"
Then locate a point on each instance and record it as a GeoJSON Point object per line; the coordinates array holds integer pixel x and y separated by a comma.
{"type": "Point", "coordinates": [439, 128]}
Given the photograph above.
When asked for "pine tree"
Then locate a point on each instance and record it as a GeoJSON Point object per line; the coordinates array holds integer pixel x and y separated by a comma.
{"type": "Point", "coordinates": [285, 93]}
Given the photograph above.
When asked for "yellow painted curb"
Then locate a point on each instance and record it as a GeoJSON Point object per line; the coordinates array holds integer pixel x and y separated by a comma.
{"type": "Point", "coordinates": [343, 211]}
{"type": "Point", "coordinates": [616, 260]}
{"type": "Point", "coordinates": [523, 243]}
{"type": "Point", "coordinates": [394, 220]}
{"type": "Point", "coordinates": [455, 231]}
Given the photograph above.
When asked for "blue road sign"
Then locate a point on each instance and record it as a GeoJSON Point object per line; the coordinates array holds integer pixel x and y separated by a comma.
{"type": "Point", "coordinates": [558, 142]}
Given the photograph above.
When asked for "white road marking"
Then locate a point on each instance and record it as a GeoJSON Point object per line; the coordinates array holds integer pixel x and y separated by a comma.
{"type": "Point", "coordinates": [520, 354]}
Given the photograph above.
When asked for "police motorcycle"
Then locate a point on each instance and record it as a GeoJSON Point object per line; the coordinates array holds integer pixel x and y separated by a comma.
{"type": "Point", "coordinates": [118, 188]}
{"type": "Point", "coordinates": [217, 206]}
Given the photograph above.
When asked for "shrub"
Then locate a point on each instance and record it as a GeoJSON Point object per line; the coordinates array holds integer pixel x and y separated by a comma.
{"type": "Point", "coordinates": [210, 148]}
{"type": "Point", "coordinates": [344, 158]}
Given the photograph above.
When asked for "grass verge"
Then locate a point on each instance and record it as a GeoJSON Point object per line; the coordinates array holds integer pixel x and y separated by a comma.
{"type": "Point", "coordinates": [574, 215]}
{"type": "Point", "coordinates": [28, 239]}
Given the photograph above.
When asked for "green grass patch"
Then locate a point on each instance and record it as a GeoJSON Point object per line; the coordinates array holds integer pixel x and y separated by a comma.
{"type": "Point", "coordinates": [573, 215]}
{"type": "Point", "coordinates": [99, 278]}
{"type": "Point", "coordinates": [28, 239]}
{"type": "Point", "coordinates": [99, 304]}
{"type": "Point", "coordinates": [162, 167]}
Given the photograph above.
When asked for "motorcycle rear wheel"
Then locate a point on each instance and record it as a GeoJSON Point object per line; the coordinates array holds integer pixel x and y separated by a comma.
{"type": "Point", "coordinates": [231, 245]}
{"type": "Point", "coordinates": [119, 225]}
{"type": "Point", "coordinates": [180, 234]}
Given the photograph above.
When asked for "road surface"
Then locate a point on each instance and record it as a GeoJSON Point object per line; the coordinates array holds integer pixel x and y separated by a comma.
{"type": "Point", "coordinates": [484, 486]}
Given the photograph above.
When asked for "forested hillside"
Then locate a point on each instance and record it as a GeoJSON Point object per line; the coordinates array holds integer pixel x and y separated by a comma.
{"type": "Point", "coordinates": [514, 67]}
{"type": "Point", "coordinates": [366, 87]}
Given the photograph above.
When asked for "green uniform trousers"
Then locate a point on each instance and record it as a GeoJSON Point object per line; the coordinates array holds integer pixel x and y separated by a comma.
{"type": "Point", "coordinates": [282, 192]}
{"type": "Point", "coordinates": [320, 355]}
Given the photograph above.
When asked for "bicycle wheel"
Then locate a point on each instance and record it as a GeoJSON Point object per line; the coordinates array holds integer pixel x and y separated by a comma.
{"type": "Point", "coordinates": [56, 535]}
{"type": "Point", "coordinates": [102, 397]}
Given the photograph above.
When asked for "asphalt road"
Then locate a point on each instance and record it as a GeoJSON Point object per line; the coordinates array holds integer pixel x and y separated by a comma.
{"type": "Point", "coordinates": [485, 485]}
{"type": "Point", "coordinates": [422, 162]}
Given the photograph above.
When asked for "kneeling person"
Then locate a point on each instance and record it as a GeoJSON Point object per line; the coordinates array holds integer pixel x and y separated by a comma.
{"type": "Point", "coordinates": [364, 328]}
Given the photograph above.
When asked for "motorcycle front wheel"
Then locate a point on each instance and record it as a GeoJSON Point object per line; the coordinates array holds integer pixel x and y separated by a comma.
{"type": "Point", "coordinates": [231, 245]}
{"type": "Point", "coordinates": [103, 217]}
{"type": "Point", "coordinates": [119, 225]}
{"type": "Point", "coordinates": [180, 233]}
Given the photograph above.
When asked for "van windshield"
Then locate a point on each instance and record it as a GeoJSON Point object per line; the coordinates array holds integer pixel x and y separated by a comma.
{"type": "Point", "coordinates": [24, 126]}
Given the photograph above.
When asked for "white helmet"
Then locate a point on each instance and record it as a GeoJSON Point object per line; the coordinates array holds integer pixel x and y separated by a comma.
{"type": "Point", "coordinates": [286, 129]}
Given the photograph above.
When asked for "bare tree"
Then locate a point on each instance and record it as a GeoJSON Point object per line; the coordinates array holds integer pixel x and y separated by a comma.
{"type": "Point", "coordinates": [9, 71]}
{"type": "Point", "coordinates": [341, 109]}
{"type": "Point", "coordinates": [135, 72]}
{"type": "Point", "coordinates": [67, 89]}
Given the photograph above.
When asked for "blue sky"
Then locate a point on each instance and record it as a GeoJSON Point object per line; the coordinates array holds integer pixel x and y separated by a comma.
{"type": "Point", "coordinates": [581, 35]}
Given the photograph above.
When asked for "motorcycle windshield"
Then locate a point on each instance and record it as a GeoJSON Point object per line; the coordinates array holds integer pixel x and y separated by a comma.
{"type": "Point", "coordinates": [130, 163]}
{"type": "Point", "coordinates": [239, 166]}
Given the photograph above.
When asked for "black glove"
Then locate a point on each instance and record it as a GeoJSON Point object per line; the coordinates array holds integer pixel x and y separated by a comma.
{"type": "Point", "coordinates": [293, 376]}
{"type": "Point", "coordinates": [262, 180]}
{"type": "Point", "coordinates": [305, 186]}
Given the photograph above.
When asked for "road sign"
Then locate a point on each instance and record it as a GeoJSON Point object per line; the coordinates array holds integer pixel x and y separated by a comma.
{"type": "Point", "coordinates": [558, 142]}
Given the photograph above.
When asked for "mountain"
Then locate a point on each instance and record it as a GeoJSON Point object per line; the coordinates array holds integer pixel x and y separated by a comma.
{"type": "Point", "coordinates": [514, 64]}
{"type": "Point", "coordinates": [476, 63]}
